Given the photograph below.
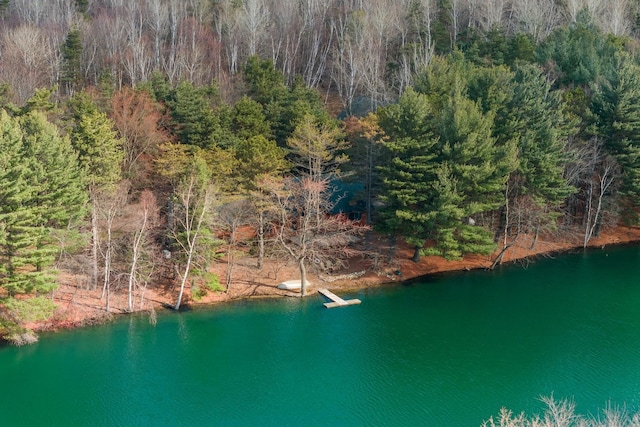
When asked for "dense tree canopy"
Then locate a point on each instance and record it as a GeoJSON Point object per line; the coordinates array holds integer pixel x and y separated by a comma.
{"type": "Point", "coordinates": [477, 125]}
{"type": "Point", "coordinates": [43, 188]}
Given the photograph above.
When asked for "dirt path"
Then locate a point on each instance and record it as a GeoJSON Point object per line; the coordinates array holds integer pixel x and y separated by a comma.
{"type": "Point", "coordinates": [78, 306]}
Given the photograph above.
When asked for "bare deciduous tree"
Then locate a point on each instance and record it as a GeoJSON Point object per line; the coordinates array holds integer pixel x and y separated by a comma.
{"type": "Point", "coordinates": [138, 121]}
{"type": "Point", "coordinates": [597, 187]}
{"type": "Point", "coordinates": [194, 199]}
{"type": "Point", "coordinates": [110, 204]}
{"type": "Point", "coordinates": [28, 61]}
{"type": "Point", "coordinates": [309, 237]}
{"type": "Point", "coordinates": [536, 17]}
{"type": "Point", "coordinates": [147, 213]}
{"type": "Point", "coordinates": [232, 216]}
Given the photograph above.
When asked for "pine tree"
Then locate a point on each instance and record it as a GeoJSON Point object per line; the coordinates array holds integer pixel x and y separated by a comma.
{"type": "Point", "coordinates": [476, 171]}
{"type": "Point", "coordinates": [616, 103]}
{"type": "Point", "coordinates": [257, 156]}
{"type": "Point", "coordinates": [248, 119]}
{"type": "Point", "coordinates": [100, 154]}
{"type": "Point", "coordinates": [408, 177]}
{"type": "Point", "coordinates": [534, 118]}
{"type": "Point", "coordinates": [579, 53]}
{"type": "Point", "coordinates": [59, 181]}
{"type": "Point", "coordinates": [71, 75]}
{"type": "Point", "coordinates": [18, 232]}
{"type": "Point", "coordinates": [41, 190]}
{"type": "Point", "coordinates": [192, 117]}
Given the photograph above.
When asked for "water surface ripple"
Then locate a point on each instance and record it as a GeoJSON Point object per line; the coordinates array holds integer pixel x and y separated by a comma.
{"type": "Point", "coordinates": [449, 350]}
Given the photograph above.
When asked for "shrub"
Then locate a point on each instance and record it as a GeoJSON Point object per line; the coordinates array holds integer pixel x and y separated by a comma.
{"type": "Point", "coordinates": [562, 414]}
{"type": "Point", "coordinates": [30, 309]}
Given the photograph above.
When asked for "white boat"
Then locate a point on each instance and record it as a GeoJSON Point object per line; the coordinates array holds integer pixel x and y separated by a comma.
{"type": "Point", "coordinates": [292, 285]}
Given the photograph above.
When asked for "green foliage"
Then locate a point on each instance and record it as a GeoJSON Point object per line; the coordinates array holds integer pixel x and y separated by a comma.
{"type": "Point", "coordinates": [444, 77]}
{"type": "Point", "coordinates": [6, 96]}
{"type": "Point", "coordinates": [30, 309]}
{"type": "Point", "coordinates": [197, 293]}
{"type": "Point", "coordinates": [522, 48]}
{"type": "Point", "coordinates": [409, 175]}
{"type": "Point", "coordinates": [317, 149]}
{"type": "Point", "coordinates": [479, 165]}
{"type": "Point", "coordinates": [99, 148]}
{"type": "Point", "coordinates": [192, 118]}
{"type": "Point", "coordinates": [258, 156]}
{"type": "Point", "coordinates": [55, 175]}
{"type": "Point", "coordinates": [248, 119]}
{"type": "Point", "coordinates": [578, 54]}
{"type": "Point", "coordinates": [495, 47]}
{"type": "Point", "coordinates": [535, 118]}
{"type": "Point", "coordinates": [41, 189]}
{"type": "Point", "coordinates": [157, 86]}
{"type": "Point", "coordinates": [446, 164]}
{"type": "Point", "coordinates": [265, 83]}
{"type": "Point", "coordinates": [82, 5]}
{"type": "Point", "coordinates": [212, 282]}
{"type": "Point", "coordinates": [206, 282]}
{"type": "Point", "coordinates": [41, 101]}
{"type": "Point", "coordinates": [71, 66]}
{"type": "Point", "coordinates": [12, 332]}
{"type": "Point", "coordinates": [284, 107]}
{"type": "Point", "coordinates": [616, 103]}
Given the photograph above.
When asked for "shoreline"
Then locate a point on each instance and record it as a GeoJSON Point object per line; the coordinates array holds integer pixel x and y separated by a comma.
{"type": "Point", "coordinates": [78, 307]}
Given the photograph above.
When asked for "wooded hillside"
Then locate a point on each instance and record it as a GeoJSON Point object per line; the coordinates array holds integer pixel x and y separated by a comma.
{"type": "Point", "coordinates": [141, 138]}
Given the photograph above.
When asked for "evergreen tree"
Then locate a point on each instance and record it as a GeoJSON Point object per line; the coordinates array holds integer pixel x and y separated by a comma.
{"type": "Point", "coordinates": [41, 190]}
{"type": "Point", "coordinates": [265, 83]}
{"type": "Point", "coordinates": [365, 155]}
{"type": "Point", "coordinates": [41, 101]}
{"type": "Point", "coordinates": [475, 171]}
{"type": "Point", "coordinates": [60, 182]}
{"type": "Point", "coordinates": [534, 117]}
{"type": "Point", "coordinates": [284, 107]}
{"type": "Point", "coordinates": [616, 104]}
{"type": "Point", "coordinates": [193, 119]}
{"type": "Point", "coordinates": [57, 181]}
{"type": "Point", "coordinates": [578, 53]}
{"type": "Point", "coordinates": [317, 149]}
{"type": "Point", "coordinates": [258, 156]}
{"type": "Point", "coordinates": [71, 75]}
{"type": "Point", "coordinates": [18, 230]}
{"type": "Point", "coordinates": [248, 119]}
{"type": "Point", "coordinates": [409, 175]}
{"type": "Point", "coordinates": [100, 154]}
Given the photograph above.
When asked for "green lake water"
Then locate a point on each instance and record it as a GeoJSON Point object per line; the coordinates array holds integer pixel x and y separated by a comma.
{"type": "Point", "coordinates": [446, 351]}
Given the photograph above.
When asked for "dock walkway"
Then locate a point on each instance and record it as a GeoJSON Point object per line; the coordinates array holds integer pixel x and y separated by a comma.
{"type": "Point", "coordinates": [336, 301]}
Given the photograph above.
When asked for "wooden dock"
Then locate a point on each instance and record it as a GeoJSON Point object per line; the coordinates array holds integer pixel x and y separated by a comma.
{"type": "Point", "coordinates": [336, 301]}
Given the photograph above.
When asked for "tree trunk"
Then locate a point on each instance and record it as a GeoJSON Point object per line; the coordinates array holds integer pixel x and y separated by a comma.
{"type": "Point", "coordinates": [94, 242]}
{"type": "Point", "coordinates": [499, 258]}
{"type": "Point", "coordinates": [261, 241]}
{"type": "Point", "coordinates": [185, 275]}
{"type": "Point", "coordinates": [134, 261]}
{"type": "Point", "coordinates": [107, 262]}
{"type": "Point", "coordinates": [416, 254]}
{"type": "Point", "coordinates": [392, 247]}
{"type": "Point", "coordinates": [108, 303]}
{"type": "Point", "coordinates": [132, 273]}
{"type": "Point", "coordinates": [535, 238]}
{"type": "Point", "coordinates": [303, 277]}
{"type": "Point", "coordinates": [589, 212]}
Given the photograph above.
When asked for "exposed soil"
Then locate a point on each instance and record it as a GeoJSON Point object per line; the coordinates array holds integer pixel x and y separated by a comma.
{"type": "Point", "coordinates": [78, 306]}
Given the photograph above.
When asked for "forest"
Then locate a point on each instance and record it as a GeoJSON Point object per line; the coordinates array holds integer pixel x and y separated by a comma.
{"type": "Point", "coordinates": [137, 137]}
